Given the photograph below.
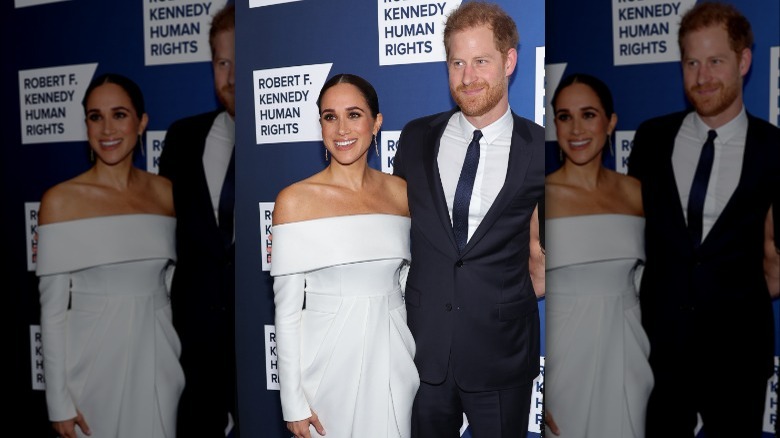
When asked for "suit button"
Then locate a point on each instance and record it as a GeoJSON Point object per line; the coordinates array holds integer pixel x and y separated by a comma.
{"type": "Point", "coordinates": [448, 307]}
{"type": "Point", "coordinates": [459, 263]}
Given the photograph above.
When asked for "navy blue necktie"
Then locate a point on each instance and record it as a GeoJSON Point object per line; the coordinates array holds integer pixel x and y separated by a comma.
{"type": "Point", "coordinates": [460, 205]}
{"type": "Point", "coordinates": [699, 188]}
{"type": "Point", "coordinates": [227, 201]}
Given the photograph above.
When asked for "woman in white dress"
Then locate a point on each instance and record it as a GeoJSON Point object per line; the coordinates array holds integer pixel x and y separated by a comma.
{"type": "Point", "coordinates": [340, 252]}
{"type": "Point", "coordinates": [105, 252]}
{"type": "Point", "coordinates": [597, 378]}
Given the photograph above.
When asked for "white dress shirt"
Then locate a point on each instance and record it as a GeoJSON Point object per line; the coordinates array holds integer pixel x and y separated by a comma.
{"type": "Point", "coordinates": [493, 162]}
{"type": "Point", "coordinates": [726, 166]}
{"type": "Point", "coordinates": [216, 156]}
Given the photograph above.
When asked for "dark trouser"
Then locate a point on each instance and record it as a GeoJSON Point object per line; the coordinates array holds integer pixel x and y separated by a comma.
{"type": "Point", "coordinates": [729, 407]}
{"type": "Point", "coordinates": [438, 411]}
{"type": "Point", "coordinates": [208, 398]}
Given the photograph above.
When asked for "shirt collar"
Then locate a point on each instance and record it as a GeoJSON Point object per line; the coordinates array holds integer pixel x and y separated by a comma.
{"type": "Point", "coordinates": [726, 132]}
{"type": "Point", "coordinates": [490, 132]}
{"type": "Point", "coordinates": [229, 125]}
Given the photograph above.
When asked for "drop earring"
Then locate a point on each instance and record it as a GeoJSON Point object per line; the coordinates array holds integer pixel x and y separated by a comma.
{"type": "Point", "coordinates": [326, 154]}
{"type": "Point", "coordinates": [141, 144]}
{"type": "Point", "coordinates": [376, 146]}
{"type": "Point", "coordinates": [611, 146]}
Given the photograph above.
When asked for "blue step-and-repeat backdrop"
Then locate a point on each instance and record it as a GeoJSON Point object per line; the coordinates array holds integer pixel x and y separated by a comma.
{"type": "Point", "coordinates": [632, 46]}
{"type": "Point", "coordinates": [285, 50]}
{"type": "Point", "coordinates": [55, 48]}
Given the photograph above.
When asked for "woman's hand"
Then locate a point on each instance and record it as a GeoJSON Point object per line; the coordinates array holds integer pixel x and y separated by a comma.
{"type": "Point", "coordinates": [67, 428]}
{"type": "Point", "coordinates": [548, 420]}
{"type": "Point", "coordinates": [300, 429]}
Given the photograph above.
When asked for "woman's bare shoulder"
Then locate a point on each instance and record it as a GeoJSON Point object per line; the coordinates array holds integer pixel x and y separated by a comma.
{"type": "Point", "coordinates": [61, 202]}
{"type": "Point", "coordinates": [159, 182]}
{"type": "Point", "coordinates": [394, 182]}
{"type": "Point", "coordinates": [555, 186]}
{"type": "Point", "coordinates": [631, 191]}
{"type": "Point", "coordinates": [295, 202]}
{"type": "Point", "coordinates": [628, 184]}
{"type": "Point", "coordinates": [161, 193]}
{"type": "Point", "coordinates": [555, 180]}
{"type": "Point", "coordinates": [397, 190]}
{"type": "Point", "coordinates": [631, 183]}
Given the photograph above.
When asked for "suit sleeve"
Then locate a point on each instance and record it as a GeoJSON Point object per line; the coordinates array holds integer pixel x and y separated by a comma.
{"type": "Point", "coordinates": [54, 295]}
{"type": "Point", "coordinates": [637, 160]}
{"type": "Point", "coordinates": [168, 158]}
{"type": "Point", "coordinates": [399, 168]}
{"type": "Point", "coordinates": [288, 300]}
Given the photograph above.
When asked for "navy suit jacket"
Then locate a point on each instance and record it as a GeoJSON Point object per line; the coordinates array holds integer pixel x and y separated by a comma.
{"type": "Point", "coordinates": [710, 305]}
{"type": "Point", "coordinates": [477, 308]}
{"type": "Point", "coordinates": [203, 289]}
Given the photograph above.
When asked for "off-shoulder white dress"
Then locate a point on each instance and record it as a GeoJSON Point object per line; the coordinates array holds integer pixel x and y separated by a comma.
{"type": "Point", "coordinates": [109, 346]}
{"type": "Point", "coordinates": [597, 377]}
{"type": "Point", "coordinates": [343, 345]}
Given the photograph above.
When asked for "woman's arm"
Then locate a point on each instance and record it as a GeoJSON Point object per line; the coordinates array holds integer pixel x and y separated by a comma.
{"type": "Point", "coordinates": [288, 299]}
{"type": "Point", "coordinates": [54, 296]}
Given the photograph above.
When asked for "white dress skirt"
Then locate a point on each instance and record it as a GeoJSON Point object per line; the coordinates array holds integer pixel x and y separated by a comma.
{"type": "Point", "coordinates": [343, 345]}
{"type": "Point", "coordinates": [109, 346]}
{"type": "Point", "coordinates": [597, 377]}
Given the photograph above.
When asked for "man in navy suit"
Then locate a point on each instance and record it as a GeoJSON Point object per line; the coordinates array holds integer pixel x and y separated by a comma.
{"type": "Point", "coordinates": [469, 296]}
{"type": "Point", "coordinates": [197, 158]}
{"type": "Point", "coordinates": [709, 180]}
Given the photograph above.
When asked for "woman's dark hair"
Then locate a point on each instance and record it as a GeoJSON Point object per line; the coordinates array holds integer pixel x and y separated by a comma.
{"type": "Point", "coordinates": [131, 88]}
{"type": "Point", "coordinates": [366, 89]}
{"type": "Point", "coordinates": [594, 83]}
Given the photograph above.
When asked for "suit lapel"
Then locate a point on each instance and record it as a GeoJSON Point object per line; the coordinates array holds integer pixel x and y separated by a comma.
{"type": "Point", "coordinates": [668, 180]}
{"type": "Point", "coordinates": [748, 181]}
{"type": "Point", "coordinates": [432, 172]}
{"type": "Point", "coordinates": [517, 168]}
{"type": "Point", "coordinates": [200, 191]}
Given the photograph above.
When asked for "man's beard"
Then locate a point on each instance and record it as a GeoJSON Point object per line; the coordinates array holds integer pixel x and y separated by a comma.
{"type": "Point", "coordinates": [715, 104]}
{"type": "Point", "coordinates": [479, 105]}
{"type": "Point", "coordinates": [227, 98]}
